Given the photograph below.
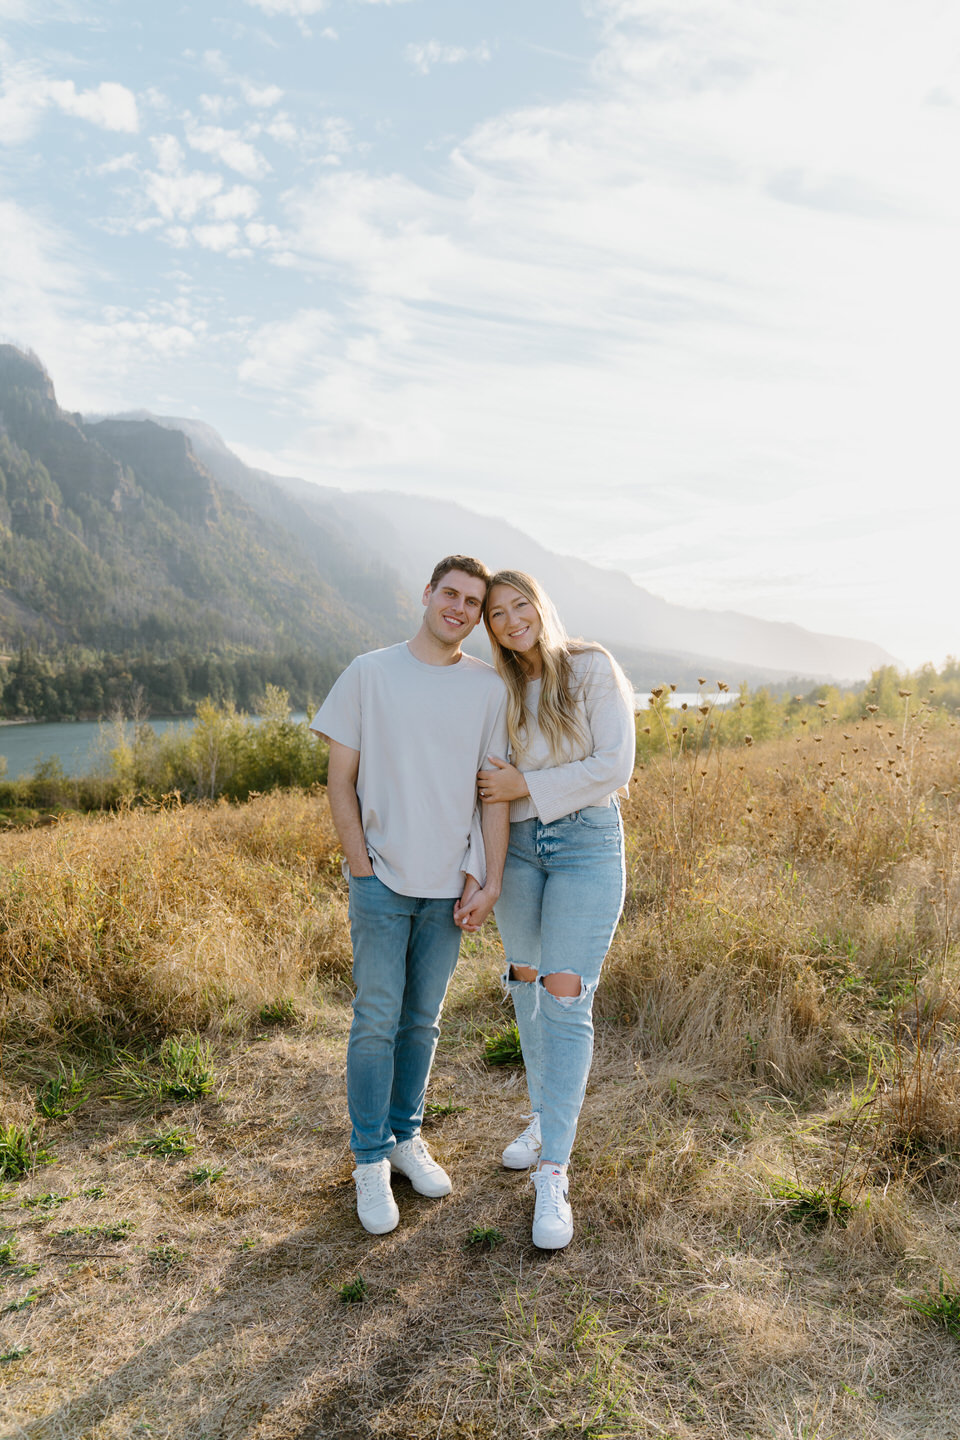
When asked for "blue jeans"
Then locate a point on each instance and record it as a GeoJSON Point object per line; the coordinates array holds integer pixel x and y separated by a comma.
{"type": "Point", "coordinates": [404, 952]}
{"type": "Point", "coordinates": [563, 887]}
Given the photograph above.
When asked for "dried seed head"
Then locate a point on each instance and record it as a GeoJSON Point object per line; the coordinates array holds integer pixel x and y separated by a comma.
{"type": "Point", "coordinates": [872, 709]}
{"type": "Point", "coordinates": [822, 704]}
{"type": "Point", "coordinates": [748, 739]}
{"type": "Point", "coordinates": [701, 680]}
{"type": "Point", "coordinates": [905, 694]}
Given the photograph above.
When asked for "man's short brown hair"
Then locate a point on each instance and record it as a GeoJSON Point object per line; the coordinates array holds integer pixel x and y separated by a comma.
{"type": "Point", "coordinates": [466, 563]}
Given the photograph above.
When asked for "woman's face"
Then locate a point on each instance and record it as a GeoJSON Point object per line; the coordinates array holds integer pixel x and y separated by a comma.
{"type": "Point", "coordinates": [513, 619]}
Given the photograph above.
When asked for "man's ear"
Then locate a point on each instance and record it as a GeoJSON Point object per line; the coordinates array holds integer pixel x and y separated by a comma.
{"type": "Point", "coordinates": [426, 594]}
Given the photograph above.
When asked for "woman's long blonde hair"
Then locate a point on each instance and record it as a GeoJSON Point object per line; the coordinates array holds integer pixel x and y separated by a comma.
{"type": "Point", "coordinates": [560, 722]}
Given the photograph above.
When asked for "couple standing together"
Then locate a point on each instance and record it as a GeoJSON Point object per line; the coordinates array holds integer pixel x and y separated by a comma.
{"type": "Point", "coordinates": [546, 740]}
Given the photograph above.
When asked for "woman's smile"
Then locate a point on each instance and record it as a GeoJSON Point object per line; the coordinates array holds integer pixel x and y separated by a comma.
{"type": "Point", "coordinates": [513, 620]}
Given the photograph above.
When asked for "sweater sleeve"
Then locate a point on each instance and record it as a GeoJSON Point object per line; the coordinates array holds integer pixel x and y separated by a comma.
{"type": "Point", "coordinates": [560, 789]}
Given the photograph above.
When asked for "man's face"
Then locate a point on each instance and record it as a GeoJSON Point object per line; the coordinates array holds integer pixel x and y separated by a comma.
{"type": "Point", "coordinates": [454, 608]}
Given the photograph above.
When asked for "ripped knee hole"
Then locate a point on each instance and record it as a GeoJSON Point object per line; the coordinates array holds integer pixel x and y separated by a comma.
{"type": "Point", "coordinates": [563, 984]}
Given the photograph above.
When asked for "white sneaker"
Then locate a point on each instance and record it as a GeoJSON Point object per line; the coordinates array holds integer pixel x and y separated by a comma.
{"type": "Point", "coordinates": [523, 1152]}
{"type": "Point", "coordinates": [413, 1159]}
{"type": "Point", "coordinates": [552, 1216]}
{"type": "Point", "coordinates": [376, 1206]}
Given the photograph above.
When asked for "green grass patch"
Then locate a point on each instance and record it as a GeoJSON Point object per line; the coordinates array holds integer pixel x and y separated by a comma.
{"type": "Point", "coordinates": [61, 1094]}
{"type": "Point", "coordinates": [23, 1303]}
{"type": "Point", "coordinates": [181, 1070]}
{"type": "Point", "coordinates": [109, 1230]}
{"type": "Point", "coordinates": [813, 1207]}
{"type": "Point", "coordinates": [283, 1011]}
{"type": "Point", "coordinates": [484, 1237]}
{"type": "Point", "coordinates": [502, 1047]}
{"type": "Point", "coordinates": [205, 1175]}
{"type": "Point", "coordinates": [352, 1292]}
{"type": "Point", "coordinates": [17, 1352]}
{"type": "Point", "coordinates": [165, 1256]}
{"type": "Point", "coordinates": [943, 1308]}
{"type": "Point", "coordinates": [20, 1151]}
{"type": "Point", "coordinates": [164, 1142]}
{"type": "Point", "coordinates": [49, 1201]}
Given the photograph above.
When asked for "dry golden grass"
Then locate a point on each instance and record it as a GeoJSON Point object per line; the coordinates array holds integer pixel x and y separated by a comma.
{"type": "Point", "coordinates": [181, 918]}
{"type": "Point", "coordinates": [777, 1020]}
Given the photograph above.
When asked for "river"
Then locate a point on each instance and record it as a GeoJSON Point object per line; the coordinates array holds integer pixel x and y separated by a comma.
{"type": "Point", "coordinates": [83, 746]}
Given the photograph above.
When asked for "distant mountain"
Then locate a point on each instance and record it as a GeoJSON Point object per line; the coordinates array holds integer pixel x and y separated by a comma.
{"type": "Point", "coordinates": [114, 536]}
{"type": "Point", "coordinates": [146, 536]}
{"type": "Point", "coordinates": [654, 639]}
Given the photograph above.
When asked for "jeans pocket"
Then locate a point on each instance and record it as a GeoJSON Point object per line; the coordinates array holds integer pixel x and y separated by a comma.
{"type": "Point", "coordinates": [605, 819]}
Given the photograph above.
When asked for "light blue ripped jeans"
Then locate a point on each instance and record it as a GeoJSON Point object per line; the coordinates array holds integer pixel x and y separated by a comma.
{"type": "Point", "coordinates": [563, 887]}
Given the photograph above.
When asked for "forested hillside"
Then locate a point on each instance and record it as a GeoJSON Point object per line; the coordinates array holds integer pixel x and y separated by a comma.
{"type": "Point", "coordinates": [126, 567]}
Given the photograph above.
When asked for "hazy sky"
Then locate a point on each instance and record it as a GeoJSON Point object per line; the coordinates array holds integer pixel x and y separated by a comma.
{"type": "Point", "coordinates": [672, 285]}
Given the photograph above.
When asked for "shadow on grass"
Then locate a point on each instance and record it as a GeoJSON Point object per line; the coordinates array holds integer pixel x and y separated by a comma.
{"type": "Point", "coordinates": [319, 1381]}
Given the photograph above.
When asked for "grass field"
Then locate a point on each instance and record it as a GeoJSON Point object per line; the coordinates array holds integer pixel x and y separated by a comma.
{"type": "Point", "coordinates": [766, 1182]}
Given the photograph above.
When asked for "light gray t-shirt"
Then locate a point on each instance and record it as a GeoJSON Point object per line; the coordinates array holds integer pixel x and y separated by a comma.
{"type": "Point", "coordinates": [423, 732]}
{"type": "Point", "coordinates": [594, 769]}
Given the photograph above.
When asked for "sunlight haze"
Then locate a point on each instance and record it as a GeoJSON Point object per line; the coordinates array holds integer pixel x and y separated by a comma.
{"type": "Point", "coordinates": [669, 286]}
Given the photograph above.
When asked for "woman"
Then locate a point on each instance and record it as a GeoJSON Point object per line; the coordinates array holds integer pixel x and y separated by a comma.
{"type": "Point", "coordinates": [571, 724]}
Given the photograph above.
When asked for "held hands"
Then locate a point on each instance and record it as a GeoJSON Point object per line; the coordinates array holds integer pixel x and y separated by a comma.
{"type": "Point", "coordinates": [503, 782]}
{"type": "Point", "coordinates": [474, 905]}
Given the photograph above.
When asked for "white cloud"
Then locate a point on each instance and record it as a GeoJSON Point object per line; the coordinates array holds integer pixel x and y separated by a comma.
{"type": "Point", "coordinates": [238, 203]}
{"type": "Point", "coordinates": [261, 97]}
{"type": "Point", "coordinates": [423, 57]}
{"type": "Point", "coordinates": [37, 279]}
{"type": "Point", "coordinates": [27, 92]}
{"type": "Point", "coordinates": [181, 195]}
{"type": "Point", "coordinates": [217, 237]}
{"type": "Point", "coordinates": [264, 236]}
{"type": "Point", "coordinates": [91, 353]}
{"type": "Point", "coordinates": [169, 152]}
{"type": "Point", "coordinates": [111, 106]}
{"type": "Point", "coordinates": [117, 164]}
{"type": "Point", "coordinates": [282, 352]}
{"type": "Point", "coordinates": [217, 105]}
{"type": "Point", "coordinates": [282, 129]}
{"type": "Point", "coordinates": [724, 269]}
{"type": "Point", "coordinates": [300, 8]}
{"type": "Point", "coordinates": [295, 8]}
{"type": "Point", "coordinates": [229, 147]}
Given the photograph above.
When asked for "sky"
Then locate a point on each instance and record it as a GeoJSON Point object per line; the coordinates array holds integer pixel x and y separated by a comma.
{"type": "Point", "coordinates": [669, 286]}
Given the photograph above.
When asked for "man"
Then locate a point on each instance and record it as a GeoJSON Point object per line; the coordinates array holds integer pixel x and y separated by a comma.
{"type": "Point", "coordinates": [408, 728]}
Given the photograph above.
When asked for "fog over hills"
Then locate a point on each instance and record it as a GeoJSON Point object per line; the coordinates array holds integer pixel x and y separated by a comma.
{"type": "Point", "coordinates": [146, 535]}
{"type": "Point", "coordinates": [654, 639]}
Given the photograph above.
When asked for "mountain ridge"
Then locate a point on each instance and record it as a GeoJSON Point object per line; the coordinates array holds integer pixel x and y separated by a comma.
{"type": "Point", "coordinates": [411, 531]}
{"type": "Point", "coordinates": [145, 534]}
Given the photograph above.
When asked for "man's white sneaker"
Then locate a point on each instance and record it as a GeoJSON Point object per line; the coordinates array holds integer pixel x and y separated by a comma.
{"type": "Point", "coordinates": [523, 1152]}
{"type": "Point", "coordinates": [552, 1216]}
{"type": "Point", "coordinates": [413, 1159]}
{"type": "Point", "coordinates": [376, 1206]}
